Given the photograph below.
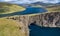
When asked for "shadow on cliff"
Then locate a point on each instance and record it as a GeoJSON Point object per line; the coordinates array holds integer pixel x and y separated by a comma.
{"type": "Point", "coordinates": [43, 31]}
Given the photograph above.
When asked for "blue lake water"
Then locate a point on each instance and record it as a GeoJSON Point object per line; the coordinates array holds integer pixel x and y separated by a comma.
{"type": "Point", "coordinates": [29, 10]}
{"type": "Point", "coordinates": [43, 31]}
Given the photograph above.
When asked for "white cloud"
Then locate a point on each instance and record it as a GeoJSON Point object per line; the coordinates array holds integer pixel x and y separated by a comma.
{"type": "Point", "coordinates": [7, 0]}
{"type": "Point", "coordinates": [30, 1]}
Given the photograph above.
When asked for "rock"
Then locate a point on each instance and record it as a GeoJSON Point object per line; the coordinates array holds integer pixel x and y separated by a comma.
{"type": "Point", "coordinates": [41, 19]}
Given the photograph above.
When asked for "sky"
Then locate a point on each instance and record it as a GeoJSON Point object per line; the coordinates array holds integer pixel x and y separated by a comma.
{"type": "Point", "coordinates": [30, 1]}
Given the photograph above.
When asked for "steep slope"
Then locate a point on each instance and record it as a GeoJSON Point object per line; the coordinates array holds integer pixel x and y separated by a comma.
{"type": "Point", "coordinates": [45, 20]}
{"type": "Point", "coordinates": [10, 8]}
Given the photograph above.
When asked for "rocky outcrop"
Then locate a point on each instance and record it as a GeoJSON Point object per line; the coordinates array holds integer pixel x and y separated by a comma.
{"type": "Point", "coordinates": [43, 20]}
{"type": "Point", "coordinates": [46, 20]}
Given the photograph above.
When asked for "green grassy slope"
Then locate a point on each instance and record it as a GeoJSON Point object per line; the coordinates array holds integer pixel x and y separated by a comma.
{"type": "Point", "coordinates": [53, 8]}
{"type": "Point", "coordinates": [10, 8]}
{"type": "Point", "coordinates": [10, 28]}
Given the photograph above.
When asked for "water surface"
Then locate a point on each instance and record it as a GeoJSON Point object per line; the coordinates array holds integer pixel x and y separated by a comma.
{"type": "Point", "coordinates": [29, 10]}
{"type": "Point", "coordinates": [43, 31]}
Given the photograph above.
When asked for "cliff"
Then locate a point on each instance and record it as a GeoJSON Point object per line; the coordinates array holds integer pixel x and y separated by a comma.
{"type": "Point", "coordinates": [42, 20]}
{"type": "Point", "coordinates": [45, 20]}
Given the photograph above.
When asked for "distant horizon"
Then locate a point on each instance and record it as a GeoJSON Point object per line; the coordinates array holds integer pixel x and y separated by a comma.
{"type": "Point", "coordinates": [30, 1]}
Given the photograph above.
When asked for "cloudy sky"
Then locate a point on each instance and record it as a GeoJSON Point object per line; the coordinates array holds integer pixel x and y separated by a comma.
{"type": "Point", "coordinates": [30, 1]}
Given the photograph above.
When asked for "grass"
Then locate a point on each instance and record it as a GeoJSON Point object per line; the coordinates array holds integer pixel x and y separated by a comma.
{"type": "Point", "coordinates": [53, 8]}
{"type": "Point", "coordinates": [6, 8]}
{"type": "Point", "coordinates": [10, 28]}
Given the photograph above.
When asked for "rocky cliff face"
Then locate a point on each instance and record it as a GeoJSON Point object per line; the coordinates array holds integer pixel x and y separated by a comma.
{"type": "Point", "coordinates": [46, 20]}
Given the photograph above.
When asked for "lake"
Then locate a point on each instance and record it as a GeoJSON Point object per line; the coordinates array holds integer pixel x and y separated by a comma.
{"type": "Point", "coordinates": [43, 31]}
{"type": "Point", "coordinates": [29, 10]}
